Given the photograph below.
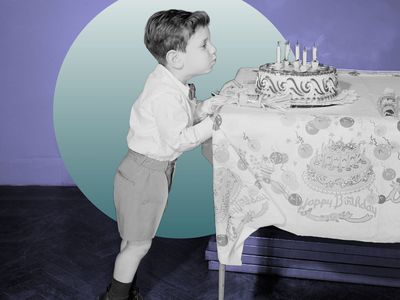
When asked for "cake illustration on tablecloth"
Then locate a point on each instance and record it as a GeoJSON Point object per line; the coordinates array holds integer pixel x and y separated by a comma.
{"type": "Point", "coordinates": [339, 168]}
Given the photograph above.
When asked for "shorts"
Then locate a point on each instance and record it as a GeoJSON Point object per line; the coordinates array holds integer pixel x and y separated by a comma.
{"type": "Point", "coordinates": [141, 186]}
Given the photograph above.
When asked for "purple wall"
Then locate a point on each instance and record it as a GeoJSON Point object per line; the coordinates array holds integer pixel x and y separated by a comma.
{"type": "Point", "coordinates": [36, 35]}
{"type": "Point", "coordinates": [359, 34]}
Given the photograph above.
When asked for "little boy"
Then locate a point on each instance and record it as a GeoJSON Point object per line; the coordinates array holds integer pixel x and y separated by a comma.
{"type": "Point", "coordinates": [165, 121]}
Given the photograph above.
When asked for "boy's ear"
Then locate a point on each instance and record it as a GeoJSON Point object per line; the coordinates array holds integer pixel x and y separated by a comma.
{"type": "Point", "coordinates": [174, 59]}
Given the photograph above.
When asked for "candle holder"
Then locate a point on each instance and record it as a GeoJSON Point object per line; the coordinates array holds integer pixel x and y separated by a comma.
{"type": "Point", "coordinates": [286, 64]}
{"type": "Point", "coordinates": [314, 64]}
{"type": "Point", "coordinates": [278, 65]}
{"type": "Point", "coordinates": [304, 68]}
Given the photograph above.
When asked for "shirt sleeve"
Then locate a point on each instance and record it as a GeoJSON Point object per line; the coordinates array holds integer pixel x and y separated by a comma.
{"type": "Point", "coordinates": [173, 122]}
{"type": "Point", "coordinates": [202, 109]}
{"type": "Point", "coordinates": [210, 106]}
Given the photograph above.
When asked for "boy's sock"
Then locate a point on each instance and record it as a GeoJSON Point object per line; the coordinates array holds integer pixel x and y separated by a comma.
{"type": "Point", "coordinates": [134, 280]}
{"type": "Point", "coordinates": [119, 289]}
{"type": "Point", "coordinates": [134, 291]}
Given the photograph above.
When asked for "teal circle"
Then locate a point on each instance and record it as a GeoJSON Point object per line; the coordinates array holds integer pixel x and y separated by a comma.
{"type": "Point", "coordinates": [104, 72]}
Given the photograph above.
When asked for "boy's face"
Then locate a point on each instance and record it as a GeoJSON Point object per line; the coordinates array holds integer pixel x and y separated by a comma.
{"type": "Point", "coordinates": [200, 55]}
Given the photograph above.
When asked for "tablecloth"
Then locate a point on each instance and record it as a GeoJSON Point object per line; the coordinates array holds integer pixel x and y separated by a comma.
{"type": "Point", "coordinates": [328, 172]}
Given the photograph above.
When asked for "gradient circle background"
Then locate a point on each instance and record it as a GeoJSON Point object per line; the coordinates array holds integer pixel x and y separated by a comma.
{"type": "Point", "coordinates": [104, 72]}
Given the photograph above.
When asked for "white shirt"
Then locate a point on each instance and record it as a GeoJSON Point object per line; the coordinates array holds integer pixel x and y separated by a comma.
{"type": "Point", "coordinates": [164, 122]}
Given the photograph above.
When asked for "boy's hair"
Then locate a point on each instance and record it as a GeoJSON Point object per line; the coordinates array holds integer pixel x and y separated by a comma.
{"type": "Point", "coordinates": [170, 30]}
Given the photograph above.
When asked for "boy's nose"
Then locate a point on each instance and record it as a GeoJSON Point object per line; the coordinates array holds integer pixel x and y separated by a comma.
{"type": "Point", "coordinates": [213, 50]}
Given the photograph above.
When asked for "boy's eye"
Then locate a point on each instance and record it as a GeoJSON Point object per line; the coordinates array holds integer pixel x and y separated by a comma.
{"type": "Point", "coordinates": [204, 45]}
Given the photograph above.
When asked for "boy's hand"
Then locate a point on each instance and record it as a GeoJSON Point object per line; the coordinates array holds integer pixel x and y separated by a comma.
{"type": "Point", "coordinates": [215, 112]}
{"type": "Point", "coordinates": [216, 102]}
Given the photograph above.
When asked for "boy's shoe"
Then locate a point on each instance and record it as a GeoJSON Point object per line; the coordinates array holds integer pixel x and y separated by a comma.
{"type": "Point", "coordinates": [134, 294]}
{"type": "Point", "coordinates": [108, 296]}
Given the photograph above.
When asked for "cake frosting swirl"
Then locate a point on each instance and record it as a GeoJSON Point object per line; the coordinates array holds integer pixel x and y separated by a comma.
{"type": "Point", "coordinates": [307, 84]}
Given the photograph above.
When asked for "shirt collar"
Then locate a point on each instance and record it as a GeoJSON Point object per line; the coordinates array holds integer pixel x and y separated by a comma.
{"type": "Point", "coordinates": [184, 88]}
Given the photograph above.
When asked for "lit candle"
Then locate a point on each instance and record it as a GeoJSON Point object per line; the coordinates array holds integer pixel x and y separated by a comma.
{"type": "Point", "coordinates": [297, 51]}
{"type": "Point", "coordinates": [278, 53]}
{"type": "Point", "coordinates": [304, 56]}
{"type": "Point", "coordinates": [314, 53]}
{"type": "Point", "coordinates": [287, 50]}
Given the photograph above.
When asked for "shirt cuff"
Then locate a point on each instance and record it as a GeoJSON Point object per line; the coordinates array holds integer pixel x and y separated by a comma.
{"type": "Point", "coordinates": [204, 129]}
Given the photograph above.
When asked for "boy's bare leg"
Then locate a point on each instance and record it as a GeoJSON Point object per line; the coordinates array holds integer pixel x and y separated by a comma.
{"type": "Point", "coordinates": [123, 285]}
{"type": "Point", "coordinates": [123, 244]}
{"type": "Point", "coordinates": [128, 260]}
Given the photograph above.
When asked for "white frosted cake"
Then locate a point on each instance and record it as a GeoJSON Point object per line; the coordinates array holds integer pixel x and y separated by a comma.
{"type": "Point", "coordinates": [284, 83]}
{"type": "Point", "coordinates": [309, 84]}
{"type": "Point", "coordinates": [339, 168]}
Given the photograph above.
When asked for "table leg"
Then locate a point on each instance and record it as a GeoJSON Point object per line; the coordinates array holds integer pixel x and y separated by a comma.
{"type": "Point", "coordinates": [221, 282]}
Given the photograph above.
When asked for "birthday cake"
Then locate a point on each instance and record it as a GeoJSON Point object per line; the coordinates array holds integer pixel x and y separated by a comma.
{"type": "Point", "coordinates": [339, 168]}
{"type": "Point", "coordinates": [314, 86]}
{"type": "Point", "coordinates": [307, 83]}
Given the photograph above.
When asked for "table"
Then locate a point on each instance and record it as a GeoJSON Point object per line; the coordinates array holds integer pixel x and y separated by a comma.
{"type": "Point", "coordinates": [328, 172]}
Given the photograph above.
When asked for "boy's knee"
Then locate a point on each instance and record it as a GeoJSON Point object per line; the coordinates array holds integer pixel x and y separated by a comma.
{"type": "Point", "coordinates": [138, 249]}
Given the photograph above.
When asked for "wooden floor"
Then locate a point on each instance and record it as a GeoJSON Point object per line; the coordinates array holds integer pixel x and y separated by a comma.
{"type": "Point", "coordinates": [56, 245]}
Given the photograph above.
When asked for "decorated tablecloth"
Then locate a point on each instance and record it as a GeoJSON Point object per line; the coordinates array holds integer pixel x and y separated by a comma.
{"type": "Point", "coordinates": [328, 172]}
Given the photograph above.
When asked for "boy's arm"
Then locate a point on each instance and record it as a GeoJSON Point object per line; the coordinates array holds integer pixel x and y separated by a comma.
{"type": "Point", "coordinates": [172, 119]}
{"type": "Point", "coordinates": [202, 109]}
{"type": "Point", "coordinates": [208, 107]}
